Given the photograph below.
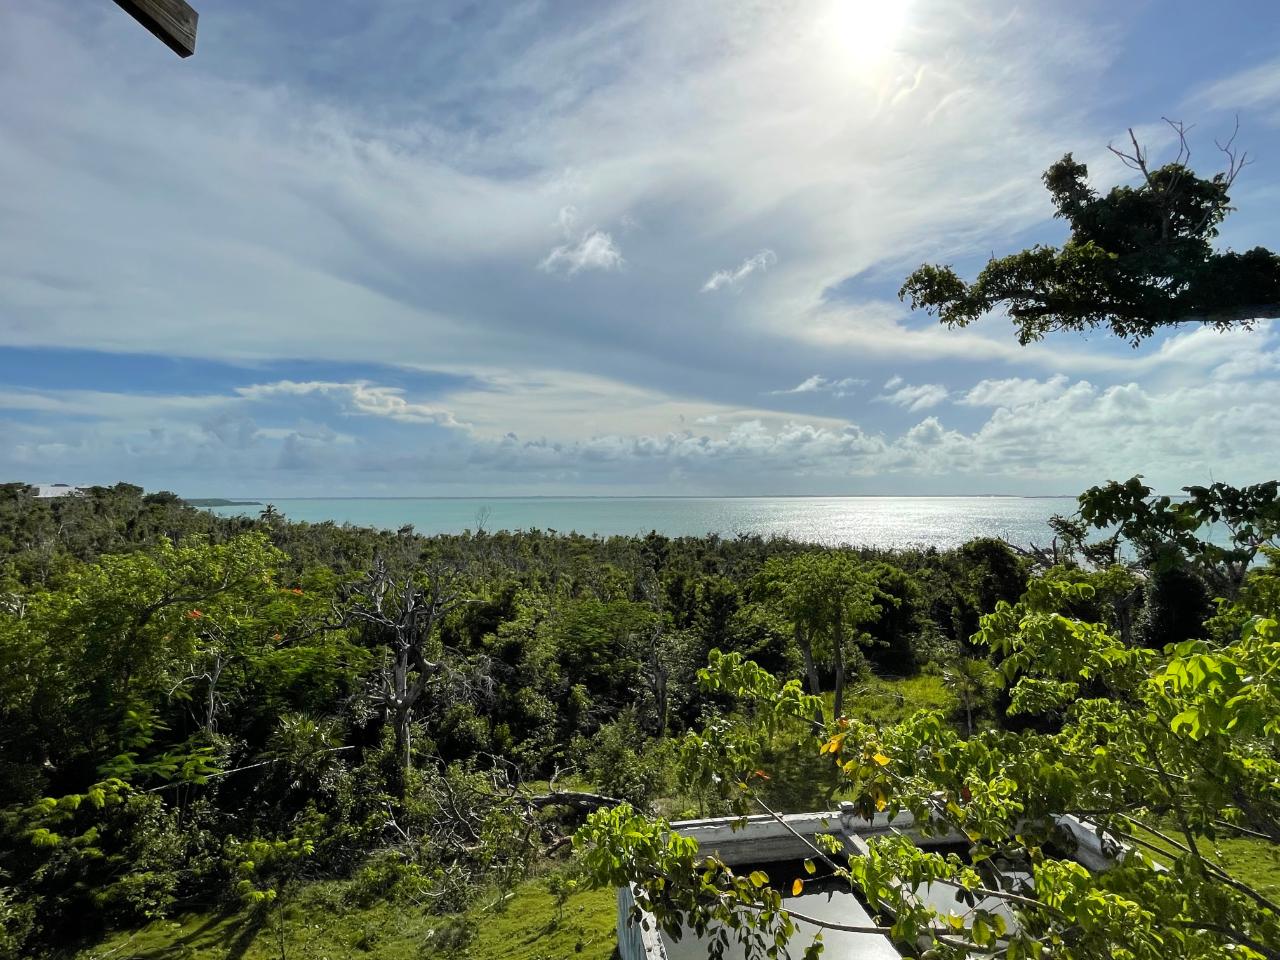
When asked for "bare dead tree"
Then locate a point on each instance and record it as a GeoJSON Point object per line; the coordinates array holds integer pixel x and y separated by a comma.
{"type": "Point", "coordinates": [1167, 188]}
{"type": "Point", "coordinates": [403, 615]}
{"type": "Point", "coordinates": [655, 667]}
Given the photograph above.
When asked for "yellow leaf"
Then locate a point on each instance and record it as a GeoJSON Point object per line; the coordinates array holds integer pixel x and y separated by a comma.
{"type": "Point", "coordinates": [880, 758]}
{"type": "Point", "coordinates": [796, 886]}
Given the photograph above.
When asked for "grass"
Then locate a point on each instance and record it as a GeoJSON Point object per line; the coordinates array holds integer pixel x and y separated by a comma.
{"type": "Point", "coordinates": [528, 929]}
{"type": "Point", "coordinates": [1255, 862]}
{"type": "Point", "coordinates": [319, 924]}
{"type": "Point", "coordinates": [1251, 861]}
{"type": "Point", "coordinates": [888, 701]}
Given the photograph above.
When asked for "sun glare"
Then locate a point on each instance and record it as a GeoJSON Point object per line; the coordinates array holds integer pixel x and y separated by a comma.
{"type": "Point", "coordinates": [865, 31]}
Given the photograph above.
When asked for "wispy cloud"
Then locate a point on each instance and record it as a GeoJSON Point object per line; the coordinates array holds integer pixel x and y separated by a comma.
{"type": "Point", "coordinates": [1012, 392]}
{"type": "Point", "coordinates": [594, 251]}
{"type": "Point", "coordinates": [361, 398]}
{"type": "Point", "coordinates": [1253, 87]}
{"type": "Point", "coordinates": [760, 262]}
{"type": "Point", "coordinates": [820, 384]}
{"type": "Point", "coordinates": [913, 397]}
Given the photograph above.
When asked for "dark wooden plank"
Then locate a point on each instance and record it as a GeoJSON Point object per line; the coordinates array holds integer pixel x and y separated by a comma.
{"type": "Point", "coordinates": [173, 21]}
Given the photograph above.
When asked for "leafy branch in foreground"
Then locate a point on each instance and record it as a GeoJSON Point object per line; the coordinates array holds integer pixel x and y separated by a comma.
{"type": "Point", "coordinates": [1139, 258]}
{"type": "Point", "coordinates": [1181, 746]}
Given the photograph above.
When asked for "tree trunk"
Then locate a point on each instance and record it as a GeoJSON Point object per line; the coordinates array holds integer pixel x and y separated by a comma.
{"type": "Point", "coordinates": [658, 675]}
{"type": "Point", "coordinates": [810, 669]}
{"type": "Point", "coordinates": [404, 741]}
{"type": "Point", "coordinates": [837, 700]}
{"type": "Point", "coordinates": [661, 699]}
{"type": "Point", "coordinates": [1124, 614]}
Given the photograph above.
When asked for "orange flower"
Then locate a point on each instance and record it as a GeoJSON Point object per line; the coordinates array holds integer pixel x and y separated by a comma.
{"type": "Point", "coordinates": [762, 775]}
{"type": "Point", "coordinates": [296, 590]}
{"type": "Point", "coordinates": [194, 614]}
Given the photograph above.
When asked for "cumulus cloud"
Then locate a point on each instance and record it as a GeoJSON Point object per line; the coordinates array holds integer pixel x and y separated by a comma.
{"type": "Point", "coordinates": [912, 397]}
{"type": "Point", "coordinates": [820, 384]}
{"type": "Point", "coordinates": [733, 279]}
{"type": "Point", "coordinates": [1012, 392]}
{"type": "Point", "coordinates": [595, 250]}
{"type": "Point", "coordinates": [1054, 435]}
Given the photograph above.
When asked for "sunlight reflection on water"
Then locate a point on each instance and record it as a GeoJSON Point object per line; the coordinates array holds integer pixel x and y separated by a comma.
{"type": "Point", "coordinates": [891, 522]}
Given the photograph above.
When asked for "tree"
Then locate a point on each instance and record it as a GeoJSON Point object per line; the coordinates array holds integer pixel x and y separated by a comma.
{"type": "Point", "coordinates": [826, 597]}
{"type": "Point", "coordinates": [971, 681]}
{"type": "Point", "coordinates": [1164, 531]}
{"type": "Point", "coordinates": [1164, 751]}
{"type": "Point", "coordinates": [403, 615]}
{"type": "Point", "coordinates": [1138, 259]}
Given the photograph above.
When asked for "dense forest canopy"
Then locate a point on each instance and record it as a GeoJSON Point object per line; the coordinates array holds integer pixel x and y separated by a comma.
{"type": "Point", "coordinates": [1161, 730]}
{"type": "Point", "coordinates": [212, 714]}
{"type": "Point", "coordinates": [196, 709]}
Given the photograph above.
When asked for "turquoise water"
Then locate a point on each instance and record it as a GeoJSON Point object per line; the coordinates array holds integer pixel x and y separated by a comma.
{"type": "Point", "coordinates": [860, 521]}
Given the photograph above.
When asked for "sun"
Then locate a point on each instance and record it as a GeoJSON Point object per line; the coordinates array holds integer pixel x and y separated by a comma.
{"type": "Point", "coordinates": [864, 31]}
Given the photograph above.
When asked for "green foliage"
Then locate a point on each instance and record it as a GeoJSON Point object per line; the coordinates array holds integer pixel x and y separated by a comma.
{"type": "Point", "coordinates": [17, 923]}
{"type": "Point", "coordinates": [197, 711]}
{"type": "Point", "coordinates": [263, 868]}
{"type": "Point", "coordinates": [676, 886]}
{"type": "Point", "coordinates": [1166, 532]}
{"type": "Point", "coordinates": [826, 597]}
{"type": "Point", "coordinates": [1189, 735]}
{"type": "Point", "coordinates": [1138, 258]}
{"type": "Point", "coordinates": [623, 763]}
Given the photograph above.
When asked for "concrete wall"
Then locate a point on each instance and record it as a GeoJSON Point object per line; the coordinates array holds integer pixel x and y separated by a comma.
{"type": "Point", "coordinates": [634, 941]}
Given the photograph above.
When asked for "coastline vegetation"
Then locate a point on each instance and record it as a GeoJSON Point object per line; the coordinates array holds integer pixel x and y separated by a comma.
{"type": "Point", "coordinates": [270, 736]}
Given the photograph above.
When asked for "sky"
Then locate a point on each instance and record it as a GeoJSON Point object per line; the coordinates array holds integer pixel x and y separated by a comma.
{"type": "Point", "coordinates": [634, 248]}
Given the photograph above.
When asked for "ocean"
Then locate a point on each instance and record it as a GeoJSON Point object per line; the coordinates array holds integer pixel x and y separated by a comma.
{"type": "Point", "coordinates": [887, 522]}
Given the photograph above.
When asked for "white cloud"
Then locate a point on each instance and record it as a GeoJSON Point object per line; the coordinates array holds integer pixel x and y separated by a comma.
{"type": "Point", "coordinates": [360, 398]}
{"type": "Point", "coordinates": [315, 210]}
{"type": "Point", "coordinates": [913, 397]}
{"type": "Point", "coordinates": [568, 406]}
{"type": "Point", "coordinates": [733, 279]}
{"type": "Point", "coordinates": [1055, 435]}
{"type": "Point", "coordinates": [1012, 392]}
{"type": "Point", "coordinates": [567, 219]}
{"type": "Point", "coordinates": [1255, 86]}
{"type": "Point", "coordinates": [373, 222]}
{"type": "Point", "coordinates": [820, 384]}
{"type": "Point", "coordinates": [594, 251]}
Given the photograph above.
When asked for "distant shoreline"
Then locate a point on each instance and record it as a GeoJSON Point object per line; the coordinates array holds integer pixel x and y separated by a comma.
{"type": "Point", "coordinates": [219, 502]}
{"type": "Point", "coordinates": [669, 496]}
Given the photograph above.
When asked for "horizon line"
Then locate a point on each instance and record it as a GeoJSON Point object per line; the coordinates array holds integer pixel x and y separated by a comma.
{"type": "Point", "coordinates": [662, 496]}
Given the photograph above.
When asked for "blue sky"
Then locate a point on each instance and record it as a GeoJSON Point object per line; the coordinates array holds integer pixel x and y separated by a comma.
{"type": "Point", "coordinates": [536, 248]}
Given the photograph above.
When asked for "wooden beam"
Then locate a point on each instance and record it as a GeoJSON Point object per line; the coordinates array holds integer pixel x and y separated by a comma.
{"type": "Point", "coordinates": [172, 21]}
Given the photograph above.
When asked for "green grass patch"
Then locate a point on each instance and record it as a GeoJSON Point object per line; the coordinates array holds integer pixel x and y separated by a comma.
{"type": "Point", "coordinates": [1255, 862]}
{"type": "Point", "coordinates": [321, 924]}
{"type": "Point", "coordinates": [1251, 861]}
{"type": "Point", "coordinates": [889, 701]}
{"type": "Point", "coordinates": [530, 927]}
